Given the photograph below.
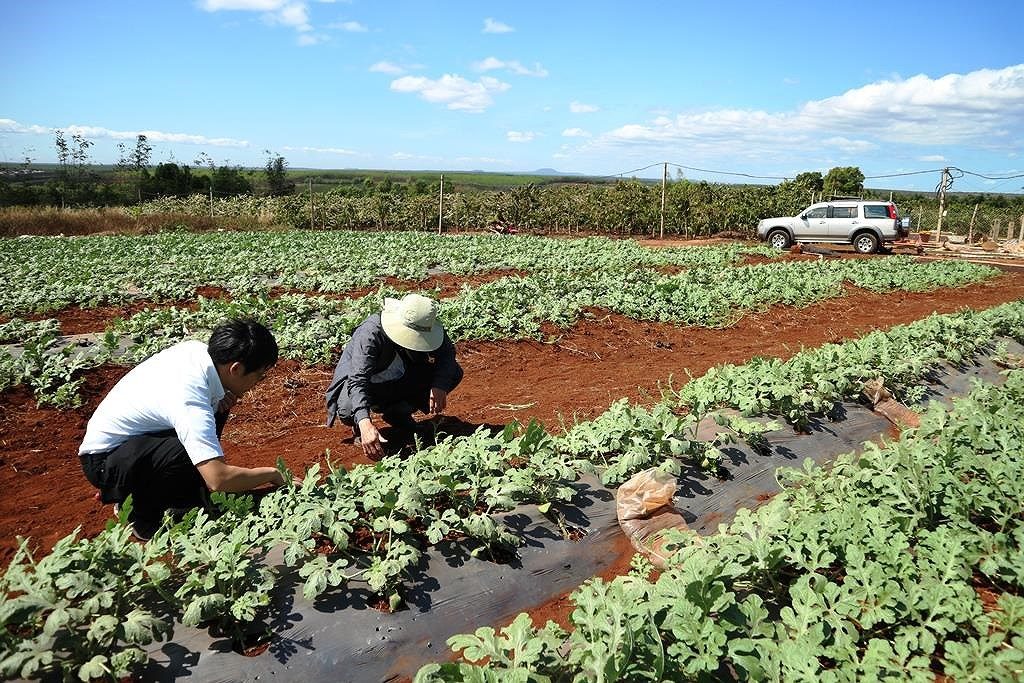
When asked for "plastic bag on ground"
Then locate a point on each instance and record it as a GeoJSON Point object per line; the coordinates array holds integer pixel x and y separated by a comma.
{"type": "Point", "coordinates": [644, 509]}
{"type": "Point", "coordinates": [883, 403]}
{"type": "Point", "coordinates": [644, 493]}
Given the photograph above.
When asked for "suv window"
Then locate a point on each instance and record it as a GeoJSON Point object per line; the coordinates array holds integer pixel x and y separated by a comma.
{"type": "Point", "coordinates": [817, 213]}
{"type": "Point", "coordinates": [844, 212]}
{"type": "Point", "coordinates": [876, 211]}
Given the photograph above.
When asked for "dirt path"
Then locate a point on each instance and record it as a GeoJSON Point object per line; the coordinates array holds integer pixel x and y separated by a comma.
{"type": "Point", "coordinates": [598, 361]}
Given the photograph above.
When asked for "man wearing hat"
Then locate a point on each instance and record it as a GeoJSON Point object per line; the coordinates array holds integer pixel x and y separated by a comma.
{"type": "Point", "coordinates": [398, 361]}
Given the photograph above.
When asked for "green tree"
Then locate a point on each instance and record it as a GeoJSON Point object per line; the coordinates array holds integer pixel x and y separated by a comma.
{"type": "Point", "coordinates": [63, 150]}
{"type": "Point", "coordinates": [229, 181]}
{"type": "Point", "coordinates": [276, 172]}
{"type": "Point", "coordinates": [171, 180]}
{"type": "Point", "coordinates": [135, 161]}
{"type": "Point", "coordinates": [844, 181]}
{"type": "Point", "coordinates": [812, 181]}
{"type": "Point", "coordinates": [80, 155]}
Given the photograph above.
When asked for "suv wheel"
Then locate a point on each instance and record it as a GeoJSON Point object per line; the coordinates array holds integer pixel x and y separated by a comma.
{"type": "Point", "coordinates": [778, 239]}
{"type": "Point", "coordinates": [865, 243]}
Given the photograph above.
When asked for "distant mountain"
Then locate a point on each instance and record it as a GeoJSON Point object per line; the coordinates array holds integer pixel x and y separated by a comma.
{"type": "Point", "coordinates": [551, 171]}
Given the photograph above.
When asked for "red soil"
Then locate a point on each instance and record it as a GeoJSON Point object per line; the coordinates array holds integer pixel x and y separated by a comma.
{"type": "Point", "coordinates": [591, 365]}
{"type": "Point", "coordinates": [558, 608]}
{"type": "Point", "coordinates": [447, 285]}
{"type": "Point", "coordinates": [76, 320]}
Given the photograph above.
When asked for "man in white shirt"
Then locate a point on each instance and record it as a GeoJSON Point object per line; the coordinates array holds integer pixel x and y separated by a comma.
{"type": "Point", "coordinates": [155, 436]}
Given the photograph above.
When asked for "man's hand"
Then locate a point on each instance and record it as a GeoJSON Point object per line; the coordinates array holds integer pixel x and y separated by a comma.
{"type": "Point", "coordinates": [279, 481]}
{"type": "Point", "coordinates": [220, 476]}
{"type": "Point", "coordinates": [371, 439]}
{"type": "Point", "coordinates": [227, 403]}
{"type": "Point", "coordinates": [438, 400]}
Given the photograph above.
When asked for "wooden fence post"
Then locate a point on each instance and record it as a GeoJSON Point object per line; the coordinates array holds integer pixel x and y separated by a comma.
{"type": "Point", "coordinates": [440, 204]}
{"type": "Point", "coordinates": [664, 182]}
{"type": "Point", "coordinates": [970, 230]}
{"type": "Point", "coordinates": [1020, 236]}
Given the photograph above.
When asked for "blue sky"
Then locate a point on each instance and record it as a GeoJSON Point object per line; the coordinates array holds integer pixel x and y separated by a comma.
{"type": "Point", "coordinates": [595, 87]}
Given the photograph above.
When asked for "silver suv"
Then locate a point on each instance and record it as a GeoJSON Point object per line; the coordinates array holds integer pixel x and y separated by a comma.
{"type": "Point", "coordinates": [867, 225]}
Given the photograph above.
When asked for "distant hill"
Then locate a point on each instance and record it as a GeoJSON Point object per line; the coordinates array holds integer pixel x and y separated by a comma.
{"type": "Point", "coordinates": [551, 171]}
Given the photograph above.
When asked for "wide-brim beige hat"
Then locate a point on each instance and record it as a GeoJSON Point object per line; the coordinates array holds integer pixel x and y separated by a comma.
{"type": "Point", "coordinates": [411, 322]}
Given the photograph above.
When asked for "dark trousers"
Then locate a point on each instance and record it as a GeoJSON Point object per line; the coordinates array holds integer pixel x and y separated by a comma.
{"type": "Point", "coordinates": [398, 398]}
{"type": "Point", "coordinates": [155, 470]}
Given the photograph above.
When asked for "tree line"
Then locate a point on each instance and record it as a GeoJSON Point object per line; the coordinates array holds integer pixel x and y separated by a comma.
{"type": "Point", "coordinates": [77, 182]}
{"type": "Point", "coordinates": [623, 207]}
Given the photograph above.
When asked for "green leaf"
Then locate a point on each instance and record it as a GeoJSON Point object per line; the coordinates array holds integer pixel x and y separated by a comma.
{"type": "Point", "coordinates": [94, 668]}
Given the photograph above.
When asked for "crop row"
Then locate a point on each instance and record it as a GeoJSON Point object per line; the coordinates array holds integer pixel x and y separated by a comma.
{"type": "Point", "coordinates": [903, 562]}
{"type": "Point", "coordinates": [90, 606]}
{"type": "Point", "coordinates": [46, 273]}
{"type": "Point", "coordinates": [314, 328]}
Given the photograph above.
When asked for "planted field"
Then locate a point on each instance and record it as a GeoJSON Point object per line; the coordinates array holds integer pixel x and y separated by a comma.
{"type": "Point", "coordinates": [552, 334]}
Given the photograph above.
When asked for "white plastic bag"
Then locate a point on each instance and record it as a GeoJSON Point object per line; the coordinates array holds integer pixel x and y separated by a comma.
{"type": "Point", "coordinates": [644, 508]}
{"type": "Point", "coordinates": [644, 493]}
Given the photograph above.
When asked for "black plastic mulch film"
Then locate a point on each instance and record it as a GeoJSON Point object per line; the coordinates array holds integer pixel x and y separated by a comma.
{"type": "Point", "coordinates": [338, 637]}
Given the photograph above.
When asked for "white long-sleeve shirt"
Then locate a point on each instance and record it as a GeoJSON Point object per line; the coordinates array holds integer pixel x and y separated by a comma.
{"type": "Point", "coordinates": [177, 389]}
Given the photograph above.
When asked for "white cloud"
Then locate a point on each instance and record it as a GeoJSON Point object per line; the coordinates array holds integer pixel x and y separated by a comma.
{"type": "Point", "coordinates": [291, 13]}
{"type": "Point", "coordinates": [295, 15]}
{"type": "Point", "coordinates": [520, 136]}
{"type": "Point", "coordinates": [482, 160]}
{"type": "Point", "coordinates": [453, 91]}
{"type": "Point", "coordinates": [489, 64]}
{"type": "Point", "coordinates": [406, 156]}
{"type": "Point", "coordinates": [349, 26]}
{"type": "Point", "coordinates": [847, 145]}
{"type": "Point", "coordinates": [492, 63]}
{"type": "Point", "coordinates": [581, 108]}
{"type": "Point", "coordinates": [951, 108]}
{"type": "Point", "coordinates": [575, 133]}
{"type": "Point", "coordinates": [306, 39]}
{"type": "Point", "coordinates": [387, 68]}
{"type": "Point", "coordinates": [495, 26]}
{"type": "Point", "coordinates": [246, 5]}
{"type": "Point", "coordinates": [932, 157]}
{"type": "Point", "coordinates": [984, 108]}
{"type": "Point", "coordinates": [11, 126]}
{"type": "Point", "coordinates": [791, 81]}
{"type": "Point", "coordinates": [323, 150]}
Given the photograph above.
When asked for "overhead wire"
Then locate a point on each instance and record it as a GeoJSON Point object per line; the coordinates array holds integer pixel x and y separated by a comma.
{"type": "Point", "coordinates": [993, 177]}
{"type": "Point", "coordinates": [955, 171]}
{"type": "Point", "coordinates": [735, 173]}
{"type": "Point", "coordinates": [897, 175]}
{"type": "Point", "coordinates": [619, 175]}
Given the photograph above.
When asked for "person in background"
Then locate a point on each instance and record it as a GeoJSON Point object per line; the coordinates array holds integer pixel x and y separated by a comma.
{"type": "Point", "coordinates": [156, 435]}
{"type": "Point", "coordinates": [398, 361]}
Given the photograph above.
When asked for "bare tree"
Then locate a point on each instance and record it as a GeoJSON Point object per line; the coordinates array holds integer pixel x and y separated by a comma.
{"type": "Point", "coordinates": [63, 150]}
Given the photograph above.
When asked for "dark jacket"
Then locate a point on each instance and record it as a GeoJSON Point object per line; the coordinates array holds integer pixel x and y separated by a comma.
{"type": "Point", "coordinates": [370, 359]}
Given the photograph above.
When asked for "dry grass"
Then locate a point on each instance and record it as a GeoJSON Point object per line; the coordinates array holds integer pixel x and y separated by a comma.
{"type": "Point", "coordinates": [109, 221]}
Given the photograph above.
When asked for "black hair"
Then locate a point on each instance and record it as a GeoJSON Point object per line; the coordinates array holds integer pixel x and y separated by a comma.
{"type": "Point", "coordinates": [243, 341]}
